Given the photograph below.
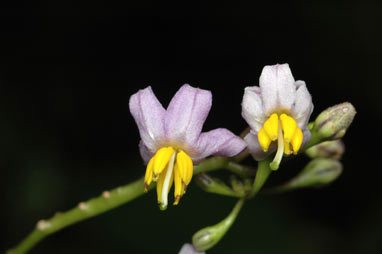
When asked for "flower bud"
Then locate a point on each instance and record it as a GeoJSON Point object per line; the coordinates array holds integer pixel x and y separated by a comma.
{"type": "Point", "coordinates": [333, 122]}
{"type": "Point", "coordinates": [317, 173]}
{"type": "Point", "coordinates": [206, 238]}
{"type": "Point", "coordinates": [214, 185]}
{"type": "Point", "coordinates": [328, 149]}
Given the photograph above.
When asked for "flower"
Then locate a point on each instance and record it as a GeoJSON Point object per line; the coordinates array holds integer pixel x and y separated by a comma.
{"type": "Point", "coordinates": [189, 249]}
{"type": "Point", "coordinates": [277, 112]}
{"type": "Point", "coordinates": [171, 140]}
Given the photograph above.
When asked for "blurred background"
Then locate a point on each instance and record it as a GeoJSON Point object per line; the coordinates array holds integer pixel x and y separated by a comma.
{"type": "Point", "coordinates": [68, 69]}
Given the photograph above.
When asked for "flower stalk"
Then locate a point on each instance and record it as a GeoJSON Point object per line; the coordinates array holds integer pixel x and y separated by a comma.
{"type": "Point", "coordinates": [208, 237]}
{"type": "Point", "coordinates": [262, 174]}
{"type": "Point", "coordinates": [96, 206]}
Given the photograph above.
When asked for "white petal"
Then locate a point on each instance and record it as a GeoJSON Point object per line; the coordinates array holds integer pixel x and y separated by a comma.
{"type": "Point", "coordinates": [277, 88]}
{"type": "Point", "coordinates": [252, 108]}
{"type": "Point", "coordinates": [303, 107]}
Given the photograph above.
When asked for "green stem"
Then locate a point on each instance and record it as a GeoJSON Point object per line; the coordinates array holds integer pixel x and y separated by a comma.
{"type": "Point", "coordinates": [84, 210]}
{"type": "Point", "coordinates": [240, 170]}
{"type": "Point", "coordinates": [93, 207]}
{"type": "Point", "coordinates": [214, 163]}
{"type": "Point", "coordinates": [262, 174]}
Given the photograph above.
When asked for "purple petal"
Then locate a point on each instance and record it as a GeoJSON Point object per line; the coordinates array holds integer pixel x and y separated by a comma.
{"type": "Point", "coordinates": [189, 249]}
{"type": "Point", "coordinates": [149, 116]}
{"type": "Point", "coordinates": [255, 149]}
{"type": "Point", "coordinates": [303, 106]}
{"type": "Point", "coordinates": [186, 114]}
{"type": "Point", "coordinates": [306, 135]}
{"type": "Point", "coordinates": [252, 108]}
{"type": "Point", "coordinates": [146, 154]}
{"type": "Point", "coordinates": [277, 88]}
{"type": "Point", "coordinates": [220, 142]}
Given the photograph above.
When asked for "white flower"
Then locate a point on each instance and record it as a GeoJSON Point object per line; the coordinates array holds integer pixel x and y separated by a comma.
{"type": "Point", "coordinates": [277, 112]}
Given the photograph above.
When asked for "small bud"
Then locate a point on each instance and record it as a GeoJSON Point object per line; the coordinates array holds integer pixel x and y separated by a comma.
{"type": "Point", "coordinates": [328, 149]}
{"type": "Point", "coordinates": [333, 122]}
{"type": "Point", "coordinates": [317, 173]}
{"type": "Point", "coordinates": [214, 185]}
{"type": "Point", "coordinates": [206, 238]}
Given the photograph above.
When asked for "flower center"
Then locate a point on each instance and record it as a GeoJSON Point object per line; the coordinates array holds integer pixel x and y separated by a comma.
{"type": "Point", "coordinates": [166, 167]}
{"type": "Point", "coordinates": [284, 129]}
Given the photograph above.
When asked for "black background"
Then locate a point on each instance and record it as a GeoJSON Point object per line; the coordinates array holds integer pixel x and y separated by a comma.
{"type": "Point", "coordinates": [68, 69]}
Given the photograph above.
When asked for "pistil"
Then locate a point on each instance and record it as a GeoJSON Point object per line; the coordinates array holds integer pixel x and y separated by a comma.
{"type": "Point", "coordinates": [167, 182]}
{"type": "Point", "coordinates": [280, 149]}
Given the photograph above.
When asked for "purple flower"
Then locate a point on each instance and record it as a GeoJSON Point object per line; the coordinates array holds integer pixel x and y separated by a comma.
{"type": "Point", "coordinates": [171, 140]}
{"type": "Point", "coordinates": [189, 249]}
{"type": "Point", "coordinates": [278, 113]}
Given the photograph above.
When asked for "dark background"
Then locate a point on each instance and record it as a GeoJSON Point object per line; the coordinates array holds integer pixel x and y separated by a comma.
{"type": "Point", "coordinates": [68, 69]}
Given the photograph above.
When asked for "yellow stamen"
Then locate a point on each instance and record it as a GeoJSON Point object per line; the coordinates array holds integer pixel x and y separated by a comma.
{"type": "Point", "coordinates": [271, 126]}
{"type": "Point", "coordinates": [284, 129]}
{"type": "Point", "coordinates": [149, 173]}
{"type": "Point", "coordinates": [185, 166]}
{"type": "Point", "coordinates": [166, 167]}
{"type": "Point", "coordinates": [178, 191]}
{"type": "Point", "coordinates": [289, 126]}
{"type": "Point", "coordinates": [264, 139]}
{"type": "Point", "coordinates": [162, 157]}
{"type": "Point", "coordinates": [297, 141]}
{"type": "Point", "coordinates": [287, 147]}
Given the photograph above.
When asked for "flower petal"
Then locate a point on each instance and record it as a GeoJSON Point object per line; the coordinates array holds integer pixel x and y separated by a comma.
{"type": "Point", "coordinates": [220, 142]}
{"type": "Point", "coordinates": [186, 114]}
{"type": "Point", "coordinates": [189, 249]}
{"type": "Point", "coordinates": [303, 107]}
{"type": "Point", "coordinates": [252, 108]}
{"type": "Point", "coordinates": [306, 137]}
{"type": "Point", "coordinates": [255, 149]}
{"type": "Point", "coordinates": [277, 88]}
{"type": "Point", "coordinates": [146, 154]}
{"type": "Point", "coordinates": [149, 116]}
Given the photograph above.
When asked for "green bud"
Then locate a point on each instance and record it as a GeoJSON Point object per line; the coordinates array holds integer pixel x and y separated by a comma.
{"type": "Point", "coordinates": [333, 122]}
{"type": "Point", "coordinates": [319, 172]}
{"type": "Point", "coordinates": [208, 237]}
{"type": "Point", "coordinates": [214, 185]}
{"type": "Point", "coordinates": [328, 149]}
